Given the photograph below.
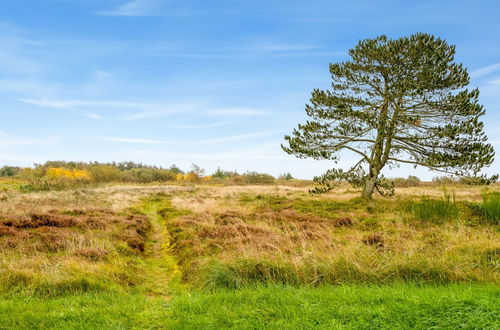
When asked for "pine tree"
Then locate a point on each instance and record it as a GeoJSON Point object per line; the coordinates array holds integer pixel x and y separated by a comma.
{"type": "Point", "coordinates": [395, 101]}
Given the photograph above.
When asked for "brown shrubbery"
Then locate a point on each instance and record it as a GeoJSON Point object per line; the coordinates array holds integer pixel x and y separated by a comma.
{"type": "Point", "coordinates": [135, 231]}
{"type": "Point", "coordinates": [52, 230]}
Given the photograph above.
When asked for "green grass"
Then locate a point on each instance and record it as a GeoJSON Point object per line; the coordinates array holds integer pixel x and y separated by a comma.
{"type": "Point", "coordinates": [436, 211]}
{"type": "Point", "coordinates": [276, 307]}
{"type": "Point", "coordinates": [491, 207]}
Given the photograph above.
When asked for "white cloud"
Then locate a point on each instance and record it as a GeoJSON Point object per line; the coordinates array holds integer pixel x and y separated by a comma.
{"type": "Point", "coordinates": [209, 125]}
{"type": "Point", "coordinates": [239, 137]}
{"type": "Point", "coordinates": [21, 159]}
{"type": "Point", "coordinates": [9, 140]}
{"type": "Point", "coordinates": [236, 112]}
{"type": "Point", "coordinates": [16, 54]}
{"type": "Point", "coordinates": [496, 81]}
{"type": "Point", "coordinates": [62, 104]}
{"type": "Point", "coordinates": [133, 8]}
{"type": "Point", "coordinates": [92, 115]}
{"type": "Point", "coordinates": [206, 141]}
{"type": "Point", "coordinates": [132, 140]}
{"type": "Point", "coordinates": [23, 86]}
{"type": "Point", "coordinates": [159, 110]}
{"type": "Point", "coordinates": [148, 110]}
{"type": "Point", "coordinates": [282, 47]}
{"type": "Point", "coordinates": [244, 155]}
{"type": "Point", "coordinates": [485, 70]}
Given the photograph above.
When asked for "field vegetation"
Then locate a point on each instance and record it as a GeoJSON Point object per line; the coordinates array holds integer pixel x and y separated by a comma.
{"type": "Point", "coordinates": [190, 255]}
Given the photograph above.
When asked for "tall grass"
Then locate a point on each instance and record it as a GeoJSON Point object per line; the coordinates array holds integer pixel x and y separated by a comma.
{"type": "Point", "coordinates": [491, 207]}
{"type": "Point", "coordinates": [435, 211]}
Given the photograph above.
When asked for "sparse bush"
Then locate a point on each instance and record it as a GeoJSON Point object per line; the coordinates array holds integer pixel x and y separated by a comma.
{"type": "Point", "coordinates": [411, 181]}
{"type": "Point", "coordinates": [445, 180]}
{"type": "Point", "coordinates": [9, 170]}
{"type": "Point", "coordinates": [221, 174]}
{"type": "Point", "coordinates": [257, 178]}
{"type": "Point", "coordinates": [175, 170]}
{"type": "Point", "coordinates": [478, 181]}
{"type": "Point", "coordinates": [286, 176]}
{"type": "Point", "coordinates": [105, 173]}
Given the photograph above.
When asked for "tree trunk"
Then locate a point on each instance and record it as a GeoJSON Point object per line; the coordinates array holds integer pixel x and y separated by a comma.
{"type": "Point", "coordinates": [369, 188]}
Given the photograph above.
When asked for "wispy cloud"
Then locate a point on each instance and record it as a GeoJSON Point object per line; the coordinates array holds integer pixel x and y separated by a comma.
{"type": "Point", "coordinates": [146, 110]}
{"type": "Point", "coordinates": [276, 47]}
{"type": "Point", "coordinates": [159, 110]}
{"type": "Point", "coordinates": [485, 70]}
{"type": "Point", "coordinates": [276, 50]}
{"type": "Point", "coordinates": [134, 8]}
{"type": "Point", "coordinates": [209, 125]}
{"type": "Point", "coordinates": [496, 81]}
{"type": "Point", "coordinates": [23, 86]}
{"type": "Point", "coordinates": [132, 140]}
{"type": "Point", "coordinates": [92, 115]}
{"type": "Point", "coordinates": [235, 112]}
{"type": "Point", "coordinates": [245, 154]}
{"type": "Point", "coordinates": [9, 140]}
{"type": "Point", "coordinates": [63, 104]}
{"type": "Point", "coordinates": [239, 137]}
{"type": "Point", "coordinates": [206, 141]}
{"type": "Point", "coordinates": [15, 56]}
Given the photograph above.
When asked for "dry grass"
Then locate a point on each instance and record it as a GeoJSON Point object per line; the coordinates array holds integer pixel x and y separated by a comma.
{"type": "Point", "coordinates": [89, 239]}
{"type": "Point", "coordinates": [235, 235]}
{"type": "Point", "coordinates": [83, 239]}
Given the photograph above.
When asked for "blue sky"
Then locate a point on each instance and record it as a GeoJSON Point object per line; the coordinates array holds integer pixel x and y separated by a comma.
{"type": "Point", "coordinates": [217, 83]}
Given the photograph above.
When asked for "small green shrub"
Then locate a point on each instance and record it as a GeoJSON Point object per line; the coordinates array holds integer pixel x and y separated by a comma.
{"type": "Point", "coordinates": [411, 181]}
{"type": "Point", "coordinates": [257, 178]}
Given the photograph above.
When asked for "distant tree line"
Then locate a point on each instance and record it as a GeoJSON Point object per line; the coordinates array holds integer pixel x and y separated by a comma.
{"type": "Point", "coordinates": [61, 174]}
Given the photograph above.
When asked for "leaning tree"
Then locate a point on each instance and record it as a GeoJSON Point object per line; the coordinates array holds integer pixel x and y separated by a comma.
{"type": "Point", "coordinates": [395, 101]}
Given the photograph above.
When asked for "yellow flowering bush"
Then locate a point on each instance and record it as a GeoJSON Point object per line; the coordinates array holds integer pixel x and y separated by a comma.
{"type": "Point", "coordinates": [188, 177]}
{"type": "Point", "coordinates": [61, 173]}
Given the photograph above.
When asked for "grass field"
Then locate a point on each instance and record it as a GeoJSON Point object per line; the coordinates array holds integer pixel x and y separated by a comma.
{"type": "Point", "coordinates": [344, 307]}
{"type": "Point", "coordinates": [144, 256]}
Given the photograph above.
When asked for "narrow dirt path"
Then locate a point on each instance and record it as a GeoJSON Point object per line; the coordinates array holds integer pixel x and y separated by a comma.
{"type": "Point", "coordinates": [162, 272]}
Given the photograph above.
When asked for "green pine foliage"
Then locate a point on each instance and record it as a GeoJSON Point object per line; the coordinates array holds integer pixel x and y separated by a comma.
{"type": "Point", "coordinates": [395, 101]}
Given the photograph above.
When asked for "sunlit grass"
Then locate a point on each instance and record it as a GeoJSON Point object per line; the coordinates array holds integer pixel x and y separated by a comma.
{"type": "Point", "coordinates": [272, 307]}
{"type": "Point", "coordinates": [434, 210]}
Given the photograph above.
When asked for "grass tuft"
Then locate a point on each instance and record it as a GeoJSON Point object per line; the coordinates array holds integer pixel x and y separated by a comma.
{"type": "Point", "coordinates": [435, 211]}
{"type": "Point", "coordinates": [491, 207]}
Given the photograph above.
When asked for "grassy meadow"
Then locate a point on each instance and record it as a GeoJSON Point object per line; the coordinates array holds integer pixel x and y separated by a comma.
{"type": "Point", "coordinates": [218, 256]}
